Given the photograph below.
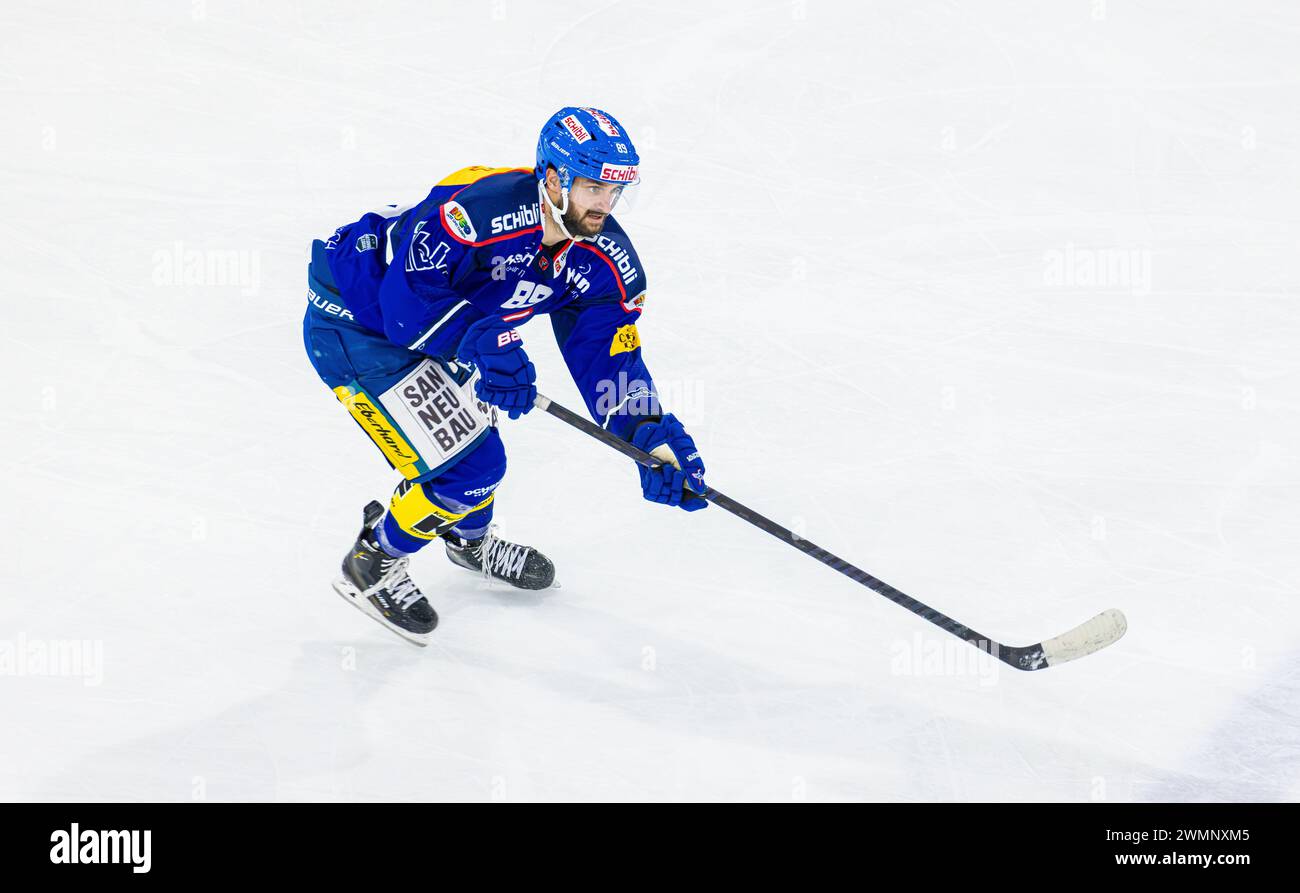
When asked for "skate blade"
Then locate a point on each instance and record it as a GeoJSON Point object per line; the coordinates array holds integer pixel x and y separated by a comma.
{"type": "Point", "coordinates": [353, 597]}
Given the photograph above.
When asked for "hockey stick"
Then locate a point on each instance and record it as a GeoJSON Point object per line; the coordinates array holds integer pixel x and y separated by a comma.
{"type": "Point", "coordinates": [1092, 635]}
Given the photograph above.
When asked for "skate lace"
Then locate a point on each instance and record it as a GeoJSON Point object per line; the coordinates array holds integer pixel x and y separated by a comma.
{"type": "Point", "coordinates": [401, 588]}
{"type": "Point", "coordinates": [501, 557]}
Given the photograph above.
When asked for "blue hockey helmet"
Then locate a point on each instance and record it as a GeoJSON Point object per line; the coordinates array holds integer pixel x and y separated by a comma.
{"type": "Point", "coordinates": [586, 142]}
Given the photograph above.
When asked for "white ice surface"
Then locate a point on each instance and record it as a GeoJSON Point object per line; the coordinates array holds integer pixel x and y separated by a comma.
{"type": "Point", "coordinates": [849, 222]}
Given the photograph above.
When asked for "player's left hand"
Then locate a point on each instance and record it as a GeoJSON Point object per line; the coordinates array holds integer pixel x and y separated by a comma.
{"type": "Point", "coordinates": [507, 378]}
{"type": "Point", "coordinates": [681, 477]}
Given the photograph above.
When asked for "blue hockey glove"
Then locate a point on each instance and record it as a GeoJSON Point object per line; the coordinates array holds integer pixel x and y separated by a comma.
{"type": "Point", "coordinates": [682, 473]}
{"type": "Point", "coordinates": [507, 377]}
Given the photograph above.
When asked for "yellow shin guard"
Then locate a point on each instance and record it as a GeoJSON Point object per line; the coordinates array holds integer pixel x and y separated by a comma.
{"type": "Point", "coordinates": [420, 516]}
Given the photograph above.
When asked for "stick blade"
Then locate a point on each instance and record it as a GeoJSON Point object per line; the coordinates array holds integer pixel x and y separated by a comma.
{"type": "Point", "coordinates": [1105, 629]}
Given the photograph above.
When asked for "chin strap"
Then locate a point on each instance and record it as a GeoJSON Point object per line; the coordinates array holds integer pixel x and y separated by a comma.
{"type": "Point", "coordinates": [557, 214]}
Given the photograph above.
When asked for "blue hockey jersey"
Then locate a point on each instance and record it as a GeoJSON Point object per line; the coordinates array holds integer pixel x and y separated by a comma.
{"type": "Point", "coordinates": [421, 275]}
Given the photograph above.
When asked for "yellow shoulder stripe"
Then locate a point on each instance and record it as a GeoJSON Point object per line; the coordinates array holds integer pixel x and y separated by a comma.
{"type": "Point", "coordinates": [467, 175]}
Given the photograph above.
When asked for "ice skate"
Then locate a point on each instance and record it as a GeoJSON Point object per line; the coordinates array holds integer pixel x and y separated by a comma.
{"type": "Point", "coordinates": [378, 585]}
{"type": "Point", "coordinates": [497, 559]}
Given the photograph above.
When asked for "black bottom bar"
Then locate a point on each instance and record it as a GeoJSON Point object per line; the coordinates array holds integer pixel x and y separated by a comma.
{"type": "Point", "coordinates": [943, 846]}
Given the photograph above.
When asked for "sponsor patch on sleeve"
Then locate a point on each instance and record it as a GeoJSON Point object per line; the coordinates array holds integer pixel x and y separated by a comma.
{"type": "Point", "coordinates": [458, 221]}
{"type": "Point", "coordinates": [626, 340]}
{"type": "Point", "coordinates": [636, 302]}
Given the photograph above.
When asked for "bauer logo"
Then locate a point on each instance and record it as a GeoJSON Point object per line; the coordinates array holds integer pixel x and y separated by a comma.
{"type": "Point", "coordinates": [619, 173]}
{"type": "Point", "coordinates": [458, 221]}
{"type": "Point", "coordinates": [626, 340]}
{"type": "Point", "coordinates": [327, 306]}
{"type": "Point", "coordinates": [575, 128]}
{"type": "Point", "coordinates": [77, 847]}
{"type": "Point", "coordinates": [602, 120]}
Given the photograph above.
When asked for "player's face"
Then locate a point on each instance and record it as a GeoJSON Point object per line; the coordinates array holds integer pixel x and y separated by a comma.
{"type": "Point", "coordinates": [590, 204]}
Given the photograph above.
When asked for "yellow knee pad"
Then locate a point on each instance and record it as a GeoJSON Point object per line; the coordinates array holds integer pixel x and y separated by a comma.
{"type": "Point", "coordinates": [420, 516]}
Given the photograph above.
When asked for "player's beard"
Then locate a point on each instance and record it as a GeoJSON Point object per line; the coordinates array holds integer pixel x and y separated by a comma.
{"type": "Point", "coordinates": [583, 225]}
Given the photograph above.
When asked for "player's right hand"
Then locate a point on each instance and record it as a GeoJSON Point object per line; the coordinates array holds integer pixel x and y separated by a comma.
{"type": "Point", "coordinates": [507, 378]}
{"type": "Point", "coordinates": [681, 475]}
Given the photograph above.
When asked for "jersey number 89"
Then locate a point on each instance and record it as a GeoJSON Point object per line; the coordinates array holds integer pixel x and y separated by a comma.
{"type": "Point", "coordinates": [527, 294]}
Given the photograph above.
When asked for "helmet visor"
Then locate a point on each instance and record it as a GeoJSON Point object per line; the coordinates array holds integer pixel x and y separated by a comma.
{"type": "Point", "coordinates": [601, 197]}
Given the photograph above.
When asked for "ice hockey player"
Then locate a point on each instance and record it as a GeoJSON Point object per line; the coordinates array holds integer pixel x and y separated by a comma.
{"type": "Point", "coordinates": [411, 321]}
